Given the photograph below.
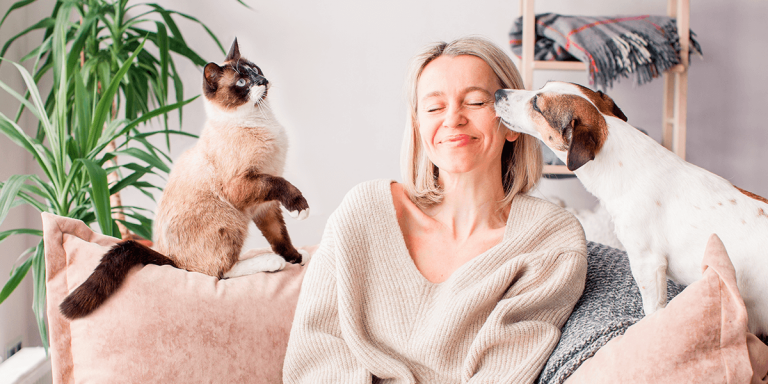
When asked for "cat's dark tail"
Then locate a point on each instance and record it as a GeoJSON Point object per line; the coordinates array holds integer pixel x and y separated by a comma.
{"type": "Point", "coordinates": [108, 276]}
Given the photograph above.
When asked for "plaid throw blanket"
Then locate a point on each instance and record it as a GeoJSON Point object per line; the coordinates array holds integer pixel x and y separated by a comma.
{"type": "Point", "coordinates": [641, 47]}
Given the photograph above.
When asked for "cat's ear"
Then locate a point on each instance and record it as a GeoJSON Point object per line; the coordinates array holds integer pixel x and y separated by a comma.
{"type": "Point", "coordinates": [234, 52]}
{"type": "Point", "coordinates": [212, 73]}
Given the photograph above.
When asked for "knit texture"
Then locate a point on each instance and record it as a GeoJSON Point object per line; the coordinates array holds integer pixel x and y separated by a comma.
{"type": "Point", "coordinates": [610, 304]}
{"type": "Point", "coordinates": [640, 47]}
{"type": "Point", "coordinates": [366, 314]}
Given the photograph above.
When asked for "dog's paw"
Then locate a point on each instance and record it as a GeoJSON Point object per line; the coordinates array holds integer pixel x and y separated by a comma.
{"type": "Point", "coordinates": [269, 262]}
{"type": "Point", "coordinates": [305, 256]}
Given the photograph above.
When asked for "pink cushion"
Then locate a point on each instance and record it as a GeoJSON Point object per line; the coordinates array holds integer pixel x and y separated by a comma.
{"type": "Point", "coordinates": [165, 324]}
{"type": "Point", "coordinates": [700, 337]}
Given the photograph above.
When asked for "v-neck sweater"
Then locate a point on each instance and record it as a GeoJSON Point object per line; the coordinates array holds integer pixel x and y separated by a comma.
{"type": "Point", "coordinates": [366, 314]}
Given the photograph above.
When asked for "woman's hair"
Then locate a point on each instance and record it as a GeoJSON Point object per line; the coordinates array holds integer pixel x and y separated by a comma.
{"type": "Point", "coordinates": [521, 161]}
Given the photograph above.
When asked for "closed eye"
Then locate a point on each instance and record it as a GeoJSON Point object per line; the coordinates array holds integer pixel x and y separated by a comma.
{"type": "Point", "coordinates": [534, 104]}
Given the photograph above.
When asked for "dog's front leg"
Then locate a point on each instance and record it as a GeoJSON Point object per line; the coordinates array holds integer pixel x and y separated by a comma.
{"type": "Point", "coordinates": [650, 273]}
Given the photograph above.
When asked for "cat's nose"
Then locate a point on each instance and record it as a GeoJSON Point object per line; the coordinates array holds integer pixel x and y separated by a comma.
{"type": "Point", "coordinates": [261, 80]}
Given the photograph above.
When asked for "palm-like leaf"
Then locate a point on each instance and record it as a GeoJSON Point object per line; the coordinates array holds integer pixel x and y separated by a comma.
{"type": "Point", "coordinates": [99, 66]}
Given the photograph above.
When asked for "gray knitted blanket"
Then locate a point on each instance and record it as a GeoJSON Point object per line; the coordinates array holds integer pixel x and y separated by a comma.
{"type": "Point", "coordinates": [609, 305]}
{"type": "Point", "coordinates": [641, 47]}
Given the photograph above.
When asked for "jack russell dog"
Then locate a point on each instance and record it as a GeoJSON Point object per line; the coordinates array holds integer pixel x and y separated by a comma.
{"type": "Point", "coordinates": [664, 209]}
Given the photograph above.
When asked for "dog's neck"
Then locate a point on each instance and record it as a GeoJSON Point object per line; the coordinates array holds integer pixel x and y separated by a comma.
{"type": "Point", "coordinates": [623, 161]}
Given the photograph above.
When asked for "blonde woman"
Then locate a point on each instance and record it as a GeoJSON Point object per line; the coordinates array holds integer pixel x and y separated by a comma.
{"type": "Point", "coordinates": [454, 275]}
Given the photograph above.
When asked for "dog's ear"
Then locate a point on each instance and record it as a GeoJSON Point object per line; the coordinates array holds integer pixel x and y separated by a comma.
{"type": "Point", "coordinates": [610, 106]}
{"type": "Point", "coordinates": [585, 142]}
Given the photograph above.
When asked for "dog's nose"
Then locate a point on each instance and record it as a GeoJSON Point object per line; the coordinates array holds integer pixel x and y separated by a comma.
{"type": "Point", "coordinates": [501, 95]}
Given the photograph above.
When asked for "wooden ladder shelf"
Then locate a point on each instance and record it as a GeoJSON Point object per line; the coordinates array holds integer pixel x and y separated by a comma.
{"type": "Point", "coordinates": [675, 79]}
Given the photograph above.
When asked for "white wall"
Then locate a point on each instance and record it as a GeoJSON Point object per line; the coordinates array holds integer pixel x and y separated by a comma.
{"type": "Point", "coordinates": [337, 70]}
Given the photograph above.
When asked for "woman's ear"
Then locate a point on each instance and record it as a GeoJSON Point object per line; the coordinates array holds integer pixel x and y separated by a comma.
{"type": "Point", "coordinates": [511, 135]}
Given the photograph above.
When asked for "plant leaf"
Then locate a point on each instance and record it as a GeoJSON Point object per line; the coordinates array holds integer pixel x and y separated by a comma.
{"type": "Point", "coordinates": [128, 180]}
{"type": "Point", "coordinates": [42, 24]}
{"type": "Point", "coordinates": [146, 157]}
{"type": "Point", "coordinates": [38, 300]}
{"type": "Point", "coordinates": [105, 104]}
{"type": "Point", "coordinates": [14, 7]}
{"type": "Point", "coordinates": [99, 192]}
{"type": "Point", "coordinates": [138, 229]}
{"type": "Point", "coordinates": [17, 135]}
{"type": "Point", "coordinates": [17, 275]}
{"type": "Point", "coordinates": [10, 190]}
{"type": "Point", "coordinates": [20, 231]}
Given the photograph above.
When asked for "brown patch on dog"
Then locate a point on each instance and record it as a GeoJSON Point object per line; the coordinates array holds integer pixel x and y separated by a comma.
{"type": "Point", "coordinates": [577, 125]}
{"type": "Point", "coordinates": [752, 195]}
{"type": "Point", "coordinates": [760, 212]}
{"type": "Point", "coordinates": [658, 203]}
{"type": "Point", "coordinates": [603, 102]}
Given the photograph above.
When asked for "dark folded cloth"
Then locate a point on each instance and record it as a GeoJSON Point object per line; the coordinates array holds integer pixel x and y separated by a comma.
{"type": "Point", "coordinates": [641, 47]}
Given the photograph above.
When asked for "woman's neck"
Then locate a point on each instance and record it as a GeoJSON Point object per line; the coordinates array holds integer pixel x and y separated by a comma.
{"type": "Point", "coordinates": [470, 204]}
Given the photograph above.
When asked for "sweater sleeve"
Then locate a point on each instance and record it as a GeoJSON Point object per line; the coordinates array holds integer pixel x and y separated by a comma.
{"type": "Point", "coordinates": [524, 327]}
{"type": "Point", "coordinates": [317, 352]}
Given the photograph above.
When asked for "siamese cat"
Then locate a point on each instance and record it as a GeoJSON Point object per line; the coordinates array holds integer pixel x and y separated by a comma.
{"type": "Point", "coordinates": [228, 179]}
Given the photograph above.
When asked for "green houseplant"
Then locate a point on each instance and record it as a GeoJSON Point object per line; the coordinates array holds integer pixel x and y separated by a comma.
{"type": "Point", "coordinates": [105, 86]}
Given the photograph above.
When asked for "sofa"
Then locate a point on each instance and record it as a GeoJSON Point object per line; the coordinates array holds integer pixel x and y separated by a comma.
{"type": "Point", "coordinates": [169, 325]}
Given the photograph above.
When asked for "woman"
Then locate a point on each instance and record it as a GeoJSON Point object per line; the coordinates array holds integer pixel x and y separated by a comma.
{"type": "Point", "coordinates": [455, 275]}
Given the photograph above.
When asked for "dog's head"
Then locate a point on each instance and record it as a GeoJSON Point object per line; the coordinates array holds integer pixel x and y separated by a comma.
{"type": "Point", "coordinates": [568, 118]}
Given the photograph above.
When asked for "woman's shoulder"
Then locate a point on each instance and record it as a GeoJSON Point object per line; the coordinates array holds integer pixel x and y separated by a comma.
{"type": "Point", "coordinates": [544, 217]}
{"type": "Point", "coordinates": [536, 204]}
{"type": "Point", "coordinates": [368, 194]}
{"type": "Point", "coordinates": [365, 201]}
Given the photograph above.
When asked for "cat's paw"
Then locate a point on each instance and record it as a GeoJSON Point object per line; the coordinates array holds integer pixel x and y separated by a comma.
{"type": "Point", "coordinates": [269, 262]}
{"type": "Point", "coordinates": [298, 214]}
{"type": "Point", "coordinates": [305, 256]}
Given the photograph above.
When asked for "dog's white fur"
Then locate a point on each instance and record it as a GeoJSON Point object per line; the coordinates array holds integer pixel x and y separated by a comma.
{"type": "Point", "coordinates": [664, 208]}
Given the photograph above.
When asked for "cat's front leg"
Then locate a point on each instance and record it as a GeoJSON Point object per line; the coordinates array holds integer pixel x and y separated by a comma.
{"type": "Point", "coordinates": [263, 194]}
{"type": "Point", "coordinates": [269, 220]}
{"type": "Point", "coordinates": [251, 189]}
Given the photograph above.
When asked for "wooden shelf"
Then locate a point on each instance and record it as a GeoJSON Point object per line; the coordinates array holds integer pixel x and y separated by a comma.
{"type": "Point", "coordinates": [675, 95]}
{"type": "Point", "coordinates": [560, 65]}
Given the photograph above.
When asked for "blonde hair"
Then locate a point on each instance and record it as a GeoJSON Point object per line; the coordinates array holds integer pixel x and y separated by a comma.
{"type": "Point", "coordinates": [521, 160]}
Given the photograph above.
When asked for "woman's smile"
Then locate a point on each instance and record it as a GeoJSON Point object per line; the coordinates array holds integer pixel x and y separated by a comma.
{"type": "Point", "coordinates": [459, 140]}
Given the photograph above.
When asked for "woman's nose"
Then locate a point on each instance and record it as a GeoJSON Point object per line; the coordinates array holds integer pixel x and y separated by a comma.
{"type": "Point", "coordinates": [454, 117]}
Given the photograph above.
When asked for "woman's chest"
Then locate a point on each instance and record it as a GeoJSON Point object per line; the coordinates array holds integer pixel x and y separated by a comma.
{"type": "Point", "coordinates": [438, 255]}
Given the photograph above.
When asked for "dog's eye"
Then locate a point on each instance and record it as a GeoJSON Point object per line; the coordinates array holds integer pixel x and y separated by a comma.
{"type": "Point", "coordinates": [533, 103]}
{"type": "Point", "coordinates": [241, 83]}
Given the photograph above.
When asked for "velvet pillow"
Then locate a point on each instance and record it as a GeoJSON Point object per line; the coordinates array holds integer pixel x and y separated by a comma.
{"type": "Point", "coordinates": [700, 337]}
{"type": "Point", "coordinates": [165, 324]}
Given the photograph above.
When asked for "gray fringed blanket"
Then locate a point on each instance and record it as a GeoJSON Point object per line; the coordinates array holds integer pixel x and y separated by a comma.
{"type": "Point", "coordinates": [642, 47]}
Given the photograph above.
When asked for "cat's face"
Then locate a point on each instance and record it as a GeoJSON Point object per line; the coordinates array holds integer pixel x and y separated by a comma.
{"type": "Point", "coordinates": [235, 83]}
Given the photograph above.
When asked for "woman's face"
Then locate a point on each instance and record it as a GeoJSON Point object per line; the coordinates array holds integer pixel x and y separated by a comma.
{"type": "Point", "coordinates": [457, 122]}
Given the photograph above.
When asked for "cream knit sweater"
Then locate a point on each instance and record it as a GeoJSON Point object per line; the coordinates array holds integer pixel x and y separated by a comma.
{"type": "Point", "coordinates": [366, 314]}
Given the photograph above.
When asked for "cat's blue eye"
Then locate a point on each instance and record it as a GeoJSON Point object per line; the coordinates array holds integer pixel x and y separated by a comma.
{"type": "Point", "coordinates": [241, 83]}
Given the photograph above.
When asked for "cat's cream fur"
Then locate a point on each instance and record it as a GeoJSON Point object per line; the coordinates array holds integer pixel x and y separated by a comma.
{"type": "Point", "coordinates": [205, 210]}
{"type": "Point", "coordinates": [228, 179]}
